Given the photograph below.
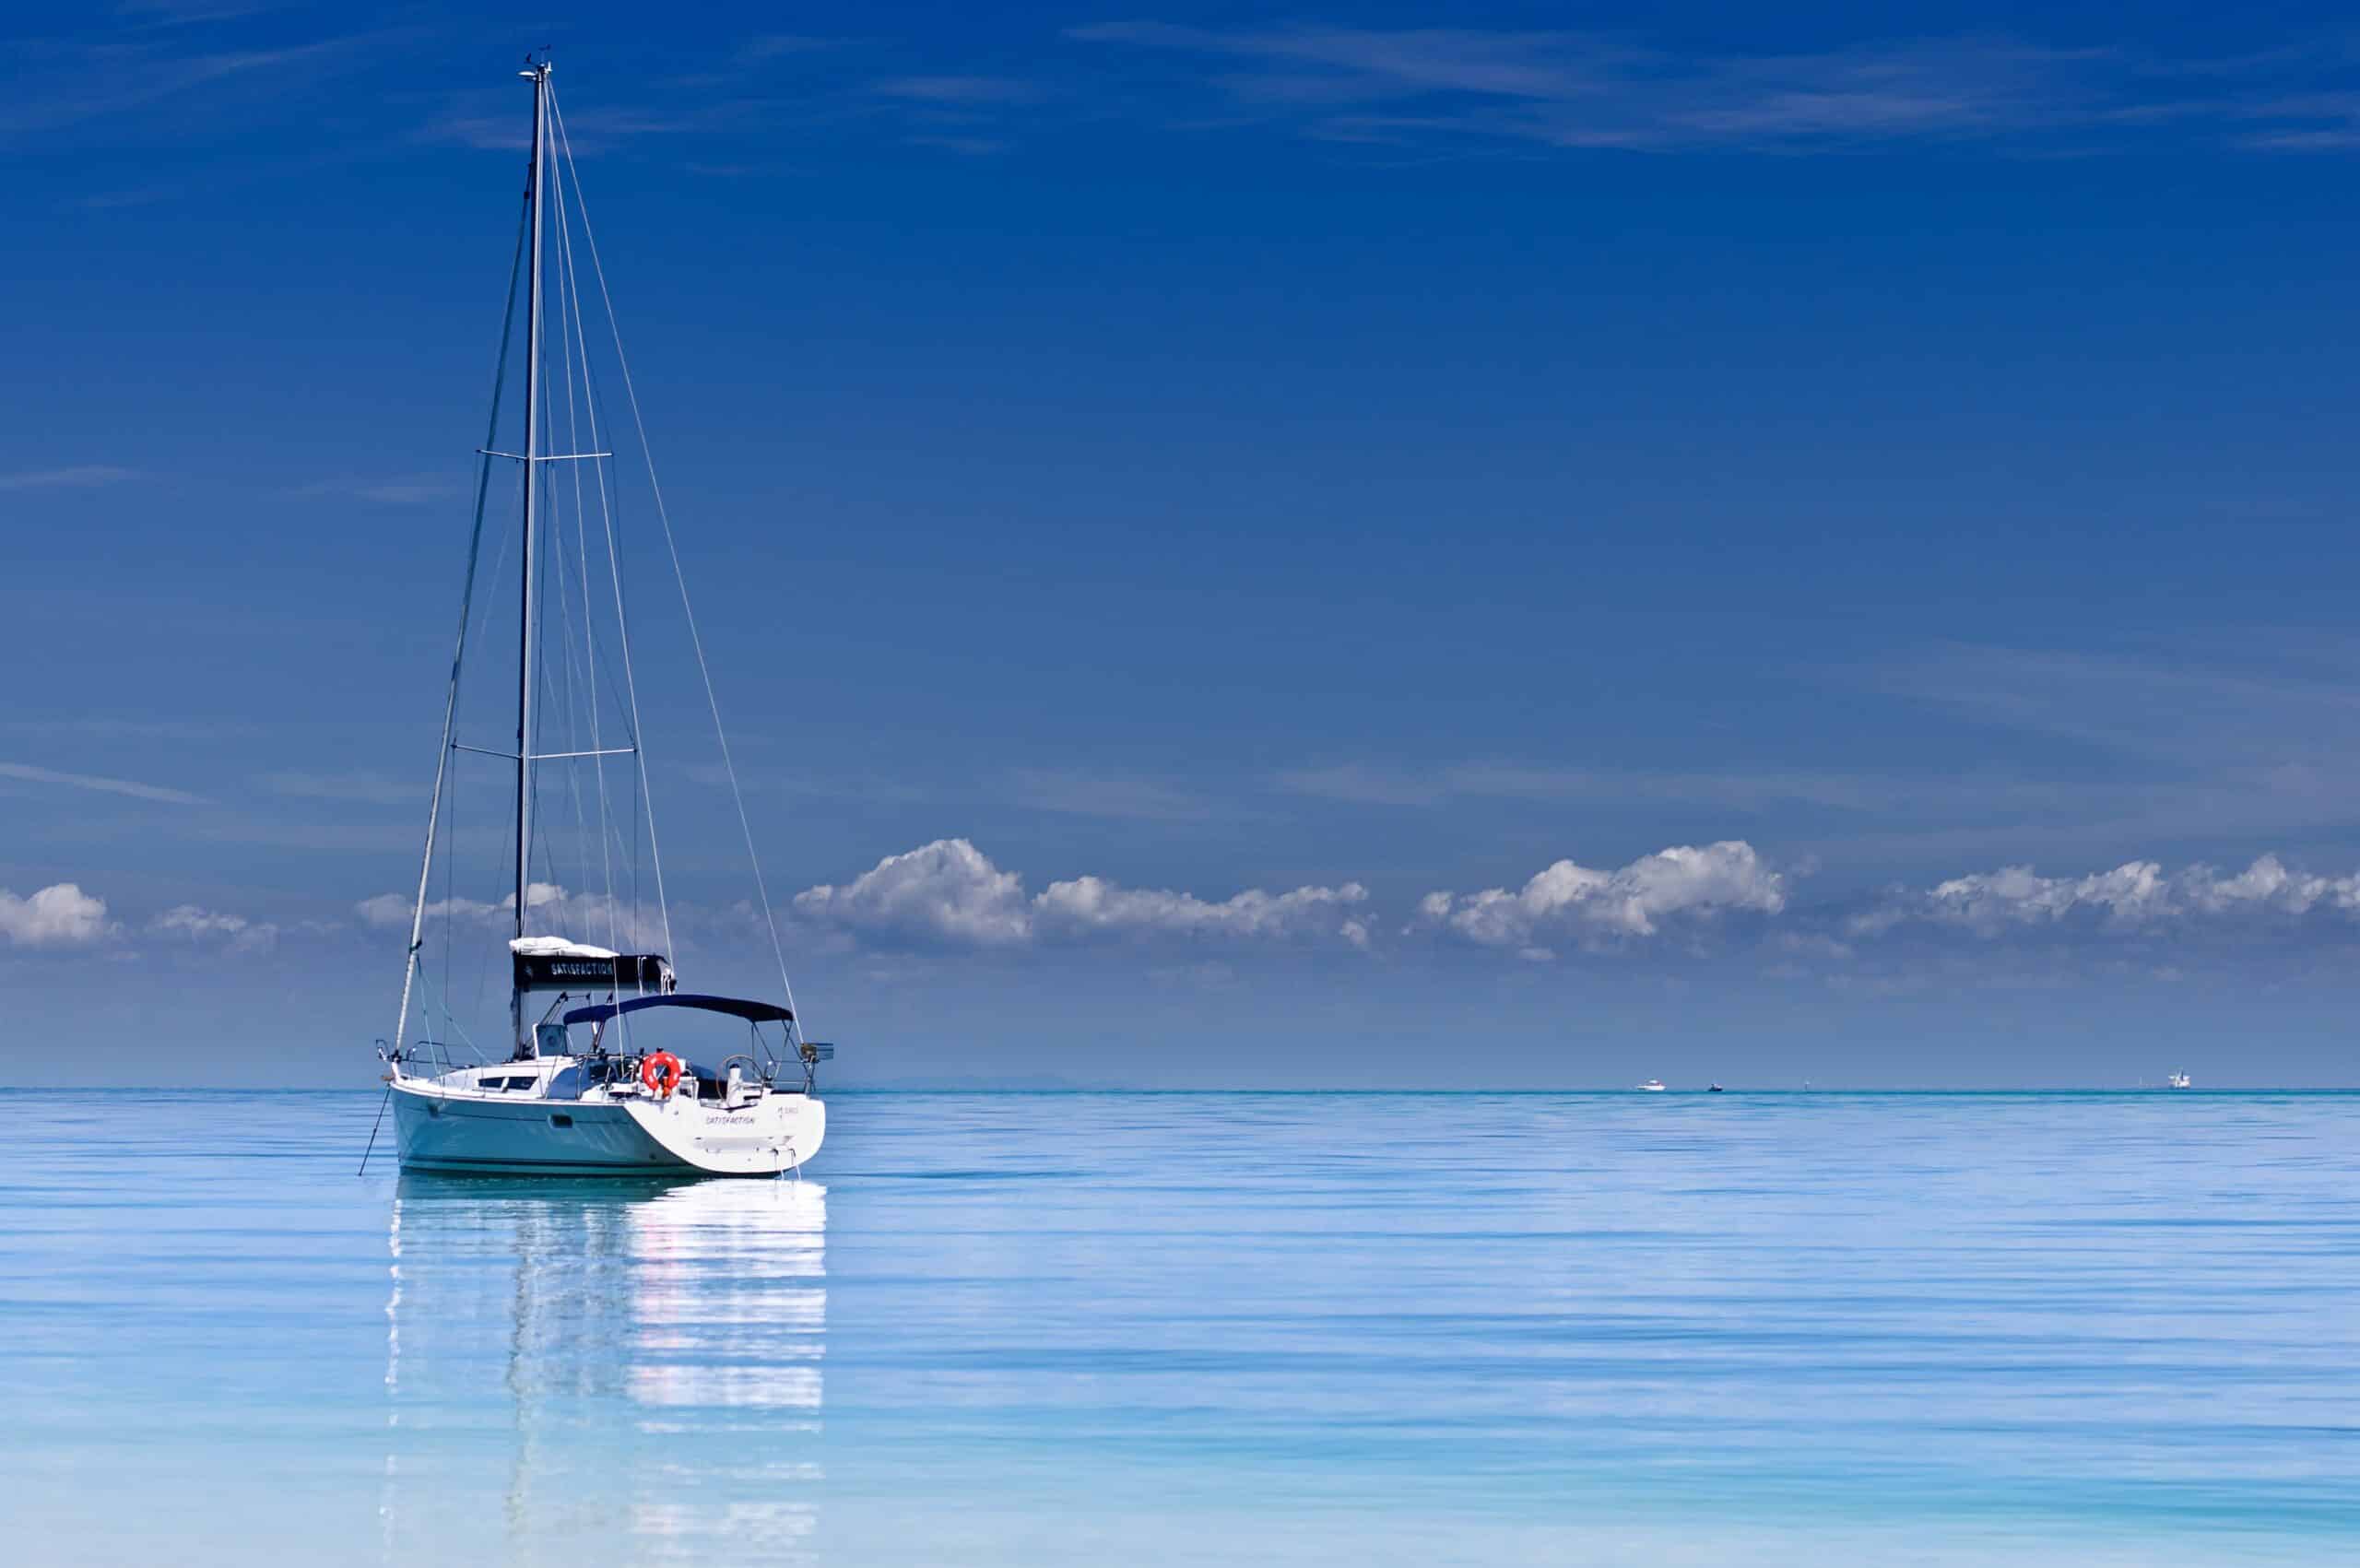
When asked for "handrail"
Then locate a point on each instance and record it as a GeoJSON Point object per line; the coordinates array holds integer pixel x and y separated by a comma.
{"type": "Point", "coordinates": [437, 1056]}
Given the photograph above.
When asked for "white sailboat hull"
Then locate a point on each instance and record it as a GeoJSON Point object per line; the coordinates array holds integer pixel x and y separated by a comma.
{"type": "Point", "coordinates": [438, 1128]}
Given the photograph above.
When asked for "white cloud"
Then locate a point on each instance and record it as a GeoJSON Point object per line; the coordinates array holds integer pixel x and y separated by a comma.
{"type": "Point", "coordinates": [1094, 905]}
{"type": "Point", "coordinates": [60, 915]}
{"type": "Point", "coordinates": [2267, 884]}
{"type": "Point", "coordinates": [1084, 795]}
{"type": "Point", "coordinates": [200, 925]}
{"type": "Point", "coordinates": [360, 786]}
{"type": "Point", "coordinates": [132, 787]}
{"type": "Point", "coordinates": [2137, 894]}
{"type": "Point", "coordinates": [947, 889]}
{"type": "Point", "coordinates": [950, 891]}
{"type": "Point", "coordinates": [84, 477]}
{"type": "Point", "coordinates": [555, 911]}
{"type": "Point", "coordinates": [1597, 907]}
{"type": "Point", "coordinates": [956, 90]}
{"type": "Point", "coordinates": [386, 911]}
{"type": "Point", "coordinates": [412, 490]}
{"type": "Point", "coordinates": [1465, 86]}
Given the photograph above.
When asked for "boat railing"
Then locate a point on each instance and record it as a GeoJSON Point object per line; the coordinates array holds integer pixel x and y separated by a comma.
{"type": "Point", "coordinates": [432, 1058]}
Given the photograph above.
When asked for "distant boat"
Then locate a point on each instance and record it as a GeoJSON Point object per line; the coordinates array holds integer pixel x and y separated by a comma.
{"type": "Point", "coordinates": [1653, 1086]}
{"type": "Point", "coordinates": [1715, 1088]}
{"type": "Point", "coordinates": [2175, 1080]}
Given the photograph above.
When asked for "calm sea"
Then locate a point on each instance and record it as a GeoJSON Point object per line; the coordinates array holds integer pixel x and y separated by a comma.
{"type": "Point", "coordinates": [1146, 1330]}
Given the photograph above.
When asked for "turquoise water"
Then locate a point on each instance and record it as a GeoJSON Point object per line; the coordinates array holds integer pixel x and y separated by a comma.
{"type": "Point", "coordinates": [1202, 1329]}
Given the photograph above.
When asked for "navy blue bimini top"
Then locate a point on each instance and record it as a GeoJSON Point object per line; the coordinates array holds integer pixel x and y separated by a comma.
{"type": "Point", "coordinates": [752, 1012]}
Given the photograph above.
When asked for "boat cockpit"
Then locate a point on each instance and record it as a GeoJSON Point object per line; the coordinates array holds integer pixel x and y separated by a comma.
{"type": "Point", "coordinates": [614, 1050]}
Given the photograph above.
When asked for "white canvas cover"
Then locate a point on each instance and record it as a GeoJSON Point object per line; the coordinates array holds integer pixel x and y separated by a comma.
{"type": "Point", "coordinates": [557, 947]}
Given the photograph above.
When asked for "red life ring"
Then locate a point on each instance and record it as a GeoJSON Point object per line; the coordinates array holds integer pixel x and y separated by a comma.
{"type": "Point", "coordinates": [661, 1073]}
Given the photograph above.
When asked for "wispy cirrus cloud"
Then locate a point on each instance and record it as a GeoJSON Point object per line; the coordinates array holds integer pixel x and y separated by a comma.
{"type": "Point", "coordinates": [81, 477]}
{"type": "Point", "coordinates": [1568, 89]}
{"type": "Point", "coordinates": [956, 90]}
{"type": "Point", "coordinates": [492, 125]}
{"type": "Point", "coordinates": [1058, 791]}
{"type": "Point", "coordinates": [1100, 795]}
{"type": "Point", "coordinates": [2249, 737]}
{"type": "Point", "coordinates": [769, 46]}
{"type": "Point", "coordinates": [2250, 741]}
{"type": "Point", "coordinates": [359, 786]}
{"type": "Point", "coordinates": [410, 489]}
{"type": "Point", "coordinates": [30, 774]}
{"type": "Point", "coordinates": [1743, 789]}
{"type": "Point", "coordinates": [65, 84]}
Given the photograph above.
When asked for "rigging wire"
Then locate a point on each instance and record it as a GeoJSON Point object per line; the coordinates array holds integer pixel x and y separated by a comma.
{"type": "Point", "coordinates": [645, 804]}
{"type": "Point", "coordinates": [672, 548]}
{"type": "Point", "coordinates": [568, 288]}
{"type": "Point", "coordinates": [450, 852]}
{"type": "Point", "coordinates": [567, 678]}
{"type": "Point", "coordinates": [410, 966]}
{"type": "Point", "coordinates": [608, 505]}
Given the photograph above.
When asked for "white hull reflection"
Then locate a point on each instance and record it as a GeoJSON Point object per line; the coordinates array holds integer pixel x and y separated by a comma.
{"type": "Point", "coordinates": [604, 1371]}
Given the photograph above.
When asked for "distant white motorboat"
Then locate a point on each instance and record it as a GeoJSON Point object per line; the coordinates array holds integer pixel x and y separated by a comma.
{"type": "Point", "coordinates": [2175, 1080]}
{"type": "Point", "coordinates": [598, 1075]}
{"type": "Point", "coordinates": [1653, 1086]}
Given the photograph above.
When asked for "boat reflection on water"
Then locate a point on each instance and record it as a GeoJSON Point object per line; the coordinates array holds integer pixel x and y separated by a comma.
{"type": "Point", "coordinates": [603, 1371]}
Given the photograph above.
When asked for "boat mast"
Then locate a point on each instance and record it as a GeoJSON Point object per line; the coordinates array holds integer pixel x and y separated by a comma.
{"type": "Point", "coordinates": [539, 76]}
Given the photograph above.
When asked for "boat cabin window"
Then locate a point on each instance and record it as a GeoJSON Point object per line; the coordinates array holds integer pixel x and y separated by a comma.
{"type": "Point", "coordinates": [523, 1082]}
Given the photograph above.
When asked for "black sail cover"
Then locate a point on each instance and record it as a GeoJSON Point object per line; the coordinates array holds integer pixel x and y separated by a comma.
{"type": "Point", "coordinates": [627, 974]}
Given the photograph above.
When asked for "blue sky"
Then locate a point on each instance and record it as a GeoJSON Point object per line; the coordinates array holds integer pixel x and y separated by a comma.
{"type": "Point", "coordinates": [1196, 517]}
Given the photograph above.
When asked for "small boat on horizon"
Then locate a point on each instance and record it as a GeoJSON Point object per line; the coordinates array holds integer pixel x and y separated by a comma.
{"type": "Point", "coordinates": [2175, 1080]}
{"type": "Point", "coordinates": [1652, 1086]}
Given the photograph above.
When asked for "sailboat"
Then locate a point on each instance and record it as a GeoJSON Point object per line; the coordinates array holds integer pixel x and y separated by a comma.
{"type": "Point", "coordinates": [609, 1066]}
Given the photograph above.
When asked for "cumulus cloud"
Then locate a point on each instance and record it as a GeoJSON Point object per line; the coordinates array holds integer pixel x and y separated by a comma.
{"type": "Point", "coordinates": [949, 890]}
{"type": "Point", "coordinates": [555, 911]}
{"type": "Point", "coordinates": [2137, 894]}
{"type": "Point", "coordinates": [60, 915]}
{"type": "Point", "coordinates": [1597, 906]}
{"type": "Point", "coordinates": [1092, 903]}
{"type": "Point", "coordinates": [202, 925]}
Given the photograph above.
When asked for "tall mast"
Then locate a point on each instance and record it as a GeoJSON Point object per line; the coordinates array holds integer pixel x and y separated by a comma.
{"type": "Point", "coordinates": [539, 75]}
